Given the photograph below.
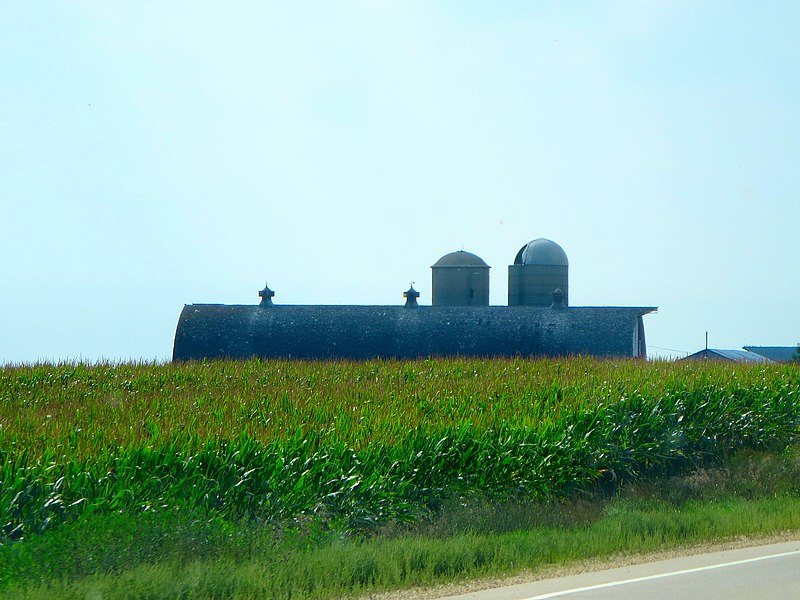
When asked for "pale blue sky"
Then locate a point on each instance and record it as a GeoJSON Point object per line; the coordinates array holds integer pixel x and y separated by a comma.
{"type": "Point", "coordinates": [160, 153]}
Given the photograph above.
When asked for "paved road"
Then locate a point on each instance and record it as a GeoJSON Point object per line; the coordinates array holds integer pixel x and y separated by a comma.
{"type": "Point", "coordinates": [759, 573]}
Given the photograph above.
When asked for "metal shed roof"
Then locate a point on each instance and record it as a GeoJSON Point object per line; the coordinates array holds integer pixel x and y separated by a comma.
{"type": "Point", "coordinates": [741, 356]}
{"type": "Point", "coordinates": [774, 353]}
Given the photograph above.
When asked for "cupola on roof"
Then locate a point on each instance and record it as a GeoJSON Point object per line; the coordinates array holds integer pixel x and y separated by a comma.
{"type": "Point", "coordinates": [461, 259]}
{"type": "Point", "coordinates": [542, 252]}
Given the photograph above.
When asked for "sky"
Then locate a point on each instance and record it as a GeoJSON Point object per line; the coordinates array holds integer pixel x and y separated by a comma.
{"type": "Point", "coordinates": [155, 154]}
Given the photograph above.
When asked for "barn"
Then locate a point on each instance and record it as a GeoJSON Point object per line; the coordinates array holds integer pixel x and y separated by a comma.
{"type": "Point", "coordinates": [727, 355]}
{"type": "Point", "coordinates": [459, 321]}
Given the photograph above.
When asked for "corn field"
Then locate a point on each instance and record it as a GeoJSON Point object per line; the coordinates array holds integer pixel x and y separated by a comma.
{"type": "Point", "coordinates": [360, 444]}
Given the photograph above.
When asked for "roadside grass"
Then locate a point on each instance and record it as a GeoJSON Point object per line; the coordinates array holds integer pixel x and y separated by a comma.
{"type": "Point", "coordinates": [161, 555]}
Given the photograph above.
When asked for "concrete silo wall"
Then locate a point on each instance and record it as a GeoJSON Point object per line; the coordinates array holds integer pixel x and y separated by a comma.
{"type": "Point", "coordinates": [533, 285]}
{"type": "Point", "coordinates": [460, 286]}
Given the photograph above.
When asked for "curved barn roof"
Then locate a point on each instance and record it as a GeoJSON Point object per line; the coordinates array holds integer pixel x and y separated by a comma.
{"type": "Point", "coordinates": [461, 259]}
{"type": "Point", "coordinates": [363, 332]}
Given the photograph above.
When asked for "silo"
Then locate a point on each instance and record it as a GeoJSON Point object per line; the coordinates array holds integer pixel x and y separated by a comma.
{"type": "Point", "coordinates": [460, 279]}
{"type": "Point", "coordinates": [540, 267]}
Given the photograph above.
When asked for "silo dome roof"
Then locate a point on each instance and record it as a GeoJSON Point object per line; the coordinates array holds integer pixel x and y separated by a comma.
{"type": "Point", "coordinates": [542, 252]}
{"type": "Point", "coordinates": [460, 259]}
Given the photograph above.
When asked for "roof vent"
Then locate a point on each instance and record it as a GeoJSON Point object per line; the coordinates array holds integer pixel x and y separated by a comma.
{"type": "Point", "coordinates": [266, 296]}
{"type": "Point", "coordinates": [558, 299]}
{"type": "Point", "coordinates": [411, 296]}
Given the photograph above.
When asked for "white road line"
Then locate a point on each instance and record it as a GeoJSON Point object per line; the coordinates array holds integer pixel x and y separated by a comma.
{"type": "Point", "coordinates": [660, 576]}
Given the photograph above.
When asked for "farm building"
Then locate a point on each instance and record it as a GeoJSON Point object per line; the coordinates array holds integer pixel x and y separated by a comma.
{"type": "Point", "coordinates": [537, 322]}
{"type": "Point", "coordinates": [778, 354]}
{"type": "Point", "coordinates": [739, 356]}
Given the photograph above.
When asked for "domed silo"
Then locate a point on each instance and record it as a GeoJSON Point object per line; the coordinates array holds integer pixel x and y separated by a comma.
{"type": "Point", "coordinates": [460, 279]}
{"type": "Point", "coordinates": [540, 267]}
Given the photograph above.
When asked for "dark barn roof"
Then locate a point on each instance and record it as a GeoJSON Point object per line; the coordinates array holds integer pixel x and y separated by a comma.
{"type": "Point", "coordinates": [363, 332]}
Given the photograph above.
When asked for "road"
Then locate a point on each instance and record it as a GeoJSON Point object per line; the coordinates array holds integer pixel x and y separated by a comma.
{"type": "Point", "coordinates": [762, 572]}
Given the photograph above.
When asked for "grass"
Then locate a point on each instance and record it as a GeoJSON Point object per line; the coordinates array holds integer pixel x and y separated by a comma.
{"type": "Point", "coordinates": [176, 472]}
{"type": "Point", "coordinates": [159, 556]}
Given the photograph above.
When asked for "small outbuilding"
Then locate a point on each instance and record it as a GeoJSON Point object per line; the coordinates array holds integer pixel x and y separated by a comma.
{"type": "Point", "coordinates": [778, 354]}
{"type": "Point", "coordinates": [738, 356]}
